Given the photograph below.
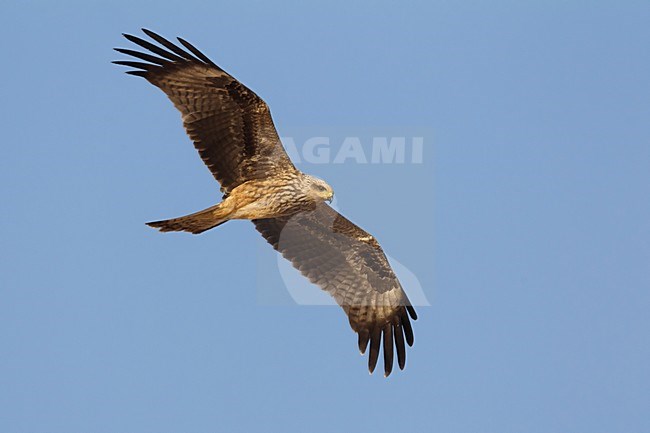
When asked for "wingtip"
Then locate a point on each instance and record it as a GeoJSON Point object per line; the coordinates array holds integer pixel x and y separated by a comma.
{"type": "Point", "coordinates": [363, 341]}
{"type": "Point", "coordinates": [150, 33]}
{"type": "Point", "coordinates": [142, 74]}
{"type": "Point", "coordinates": [412, 312]}
{"type": "Point", "coordinates": [120, 50]}
{"type": "Point", "coordinates": [146, 31]}
{"type": "Point", "coordinates": [129, 36]}
{"type": "Point", "coordinates": [136, 73]}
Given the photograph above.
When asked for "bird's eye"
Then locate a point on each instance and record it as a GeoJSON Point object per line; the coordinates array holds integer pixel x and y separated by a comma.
{"type": "Point", "coordinates": [320, 187]}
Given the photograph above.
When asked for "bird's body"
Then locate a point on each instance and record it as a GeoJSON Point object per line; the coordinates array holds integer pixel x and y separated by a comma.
{"type": "Point", "coordinates": [232, 130]}
{"type": "Point", "coordinates": [255, 199]}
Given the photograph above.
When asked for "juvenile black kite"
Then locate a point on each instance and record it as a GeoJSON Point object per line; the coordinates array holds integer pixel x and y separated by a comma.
{"type": "Point", "coordinates": [232, 130]}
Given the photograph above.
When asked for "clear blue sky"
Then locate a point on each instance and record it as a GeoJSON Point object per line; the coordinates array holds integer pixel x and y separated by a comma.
{"type": "Point", "coordinates": [528, 223]}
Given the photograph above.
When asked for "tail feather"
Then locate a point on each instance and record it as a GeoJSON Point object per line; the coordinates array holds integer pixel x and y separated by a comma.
{"type": "Point", "coordinates": [194, 223]}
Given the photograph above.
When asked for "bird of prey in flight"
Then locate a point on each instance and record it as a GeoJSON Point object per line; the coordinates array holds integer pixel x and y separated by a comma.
{"type": "Point", "coordinates": [232, 130]}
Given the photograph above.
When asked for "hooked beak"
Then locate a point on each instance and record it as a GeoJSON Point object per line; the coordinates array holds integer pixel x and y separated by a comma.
{"type": "Point", "coordinates": [329, 200]}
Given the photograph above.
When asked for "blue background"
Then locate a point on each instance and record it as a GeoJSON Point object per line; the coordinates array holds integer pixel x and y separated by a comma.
{"type": "Point", "coordinates": [535, 261]}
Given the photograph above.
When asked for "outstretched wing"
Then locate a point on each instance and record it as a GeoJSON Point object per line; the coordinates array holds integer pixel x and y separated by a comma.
{"type": "Point", "coordinates": [230, 125]}
{"type": "Point", "coordinates": [347, 262]}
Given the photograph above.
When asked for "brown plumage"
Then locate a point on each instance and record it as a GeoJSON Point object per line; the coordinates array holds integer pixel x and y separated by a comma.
{"type": "Point", "coordinates": [232, 129]}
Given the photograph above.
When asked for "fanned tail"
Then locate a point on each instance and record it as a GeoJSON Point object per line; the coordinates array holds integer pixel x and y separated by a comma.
{"type": "Point", "coordinates": [194, 223]}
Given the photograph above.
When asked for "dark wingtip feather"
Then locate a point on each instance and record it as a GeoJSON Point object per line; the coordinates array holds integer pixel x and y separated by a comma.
{"type": "Point", "coordinates": [139, 65]}
{"type": "Point", "coordinates": [408, 331]}
{"type": "Point", "coordinates": [374, 349]}
{"type": "Point", "coordinates": [153, 48]}
{"type": "Point", "coordinates": [388, 349]}
{"type": "Point", "coordinates": [136, 40]}
{"type": "Point", "coordinates": [363, 340]}
{"type": "Point", "coordinates": [126, 63]}
{"type": "Point", "coordinates": [398, 334]}
{"type": "Point", "coordinates": [195, 51]}
{"type": "Point", "coordinates": [169, 45]}
{"type": "Point", "coordinates": [142, 56]}
{"type": "Point", "coordinates": [137, 73]}
{"type": "Point", "coordinates": [412, 312]}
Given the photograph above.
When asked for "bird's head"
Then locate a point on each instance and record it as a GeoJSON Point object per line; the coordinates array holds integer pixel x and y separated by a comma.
{"type": "Point", "coordinates": [319, 189]}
